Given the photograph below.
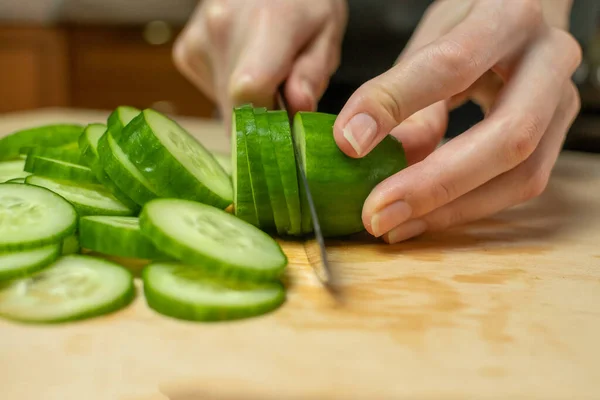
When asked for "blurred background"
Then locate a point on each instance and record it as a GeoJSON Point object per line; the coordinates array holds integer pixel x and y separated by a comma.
{"type": "Point", "coordinates": [99, 54]}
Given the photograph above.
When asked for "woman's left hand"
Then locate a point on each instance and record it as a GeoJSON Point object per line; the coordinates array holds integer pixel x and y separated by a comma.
{"type": "Point", "coordinates": [515, 59]}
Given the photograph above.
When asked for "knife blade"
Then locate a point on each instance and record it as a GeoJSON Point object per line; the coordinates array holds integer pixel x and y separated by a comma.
{"type": "Point", "coordinates": [316, 251]}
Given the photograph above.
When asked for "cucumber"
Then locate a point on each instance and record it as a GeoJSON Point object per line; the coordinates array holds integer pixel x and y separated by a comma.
{"type": "Point", "coordinates": [171, 159]}
{"type": "Point", "coordinates": [190, 293]}
{"type": "Point", "coordinates": [257, 172]}
{"type": "Point", "coordinates": [54, 135]}
{"type": "Point", "coordinates": [16, 180]}
{"type": "Point", "coordinates": [116, 236]}
{"type": "Point", "coordinates": [22, 263]}
{"type": "Point", "coordinates": [119, 118]}
{"type": "Point", "coordinates": [284, 150]}
{"type": "Point", "coordinates": [55, 153]}
{"type": "Point", "coordinates": [70, 245]}
{"type": "Point", "coordinates": [199, 234]}
{"type": "Point", "coordinates": [88, 146]}
{"type": "Point", "coordinates": [123, 173]}
{"type": "Point", "coordinates": [87, 200]}
{"type": "Point", "coordinates": [224, 161]}
{"type": "Point", "coordinates": [61, 170]}
{"type": "Point", "coordinates": [276, 195]}
{"type": "Point", "coordinates": [12, 170]}
{"type": "Point", "coordinates": [73, 288]}
{"type": "Point", "coordinates": [243, 199]}
{"type": "Point", "coordinates": [340, 184]}
{"type": "Point", "coordinates": [32, 217]}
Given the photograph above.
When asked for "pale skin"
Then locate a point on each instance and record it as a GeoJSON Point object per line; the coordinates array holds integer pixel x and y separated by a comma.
{"type": "Point", "coordinates": [514, 58]}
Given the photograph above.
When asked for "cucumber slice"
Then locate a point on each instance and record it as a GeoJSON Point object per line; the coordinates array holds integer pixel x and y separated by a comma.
{"type": "Point", "coordinates": [170, 158]}
{"type": "Point", "coordinates": [32, 217]}
{"type": "Point", "coordinates": [257, 172]}
{"type": "Point", "coordinates": [88, 145]}
{"type": "Point", "coordinates": [55, 153]}
{"type": "Point", "coordinates": [87, 200]}
{"type": "Point", "coordinates": [55, 169]}
{"type": "Point", "coordinates": [340, 184]}
{"type": "Point", "coordinates": [119, 118]}
{"type": "Point", "coordinates": [45, 136]}
{"type": "Point", "coordinates": [190, 293]}
{"type": "Point", "coordinates": [73, 288]}
{"type": "Point", "coordinates": [123, 173]}
{"type": "Point", "coordinates": [284, 150]}
{"type": "Point", "coordinates": [200, 234]}
{"type": "Point", "coordinates": [12, 170]}
{"type": "Point", "coordinates": [70, 245]}
{"type": "Point", "coordinates": [116, 236]}
{"type": "Point", "coordinates": [243, 200]}
{"type": "Point", "coordinates": [16, 180]}
{"type": "Point", "coordinates": [22, 263]}
{"type": "Point", "coordinates": [272, 175]}
{"type": "Point", "coordinates": [224, 161]}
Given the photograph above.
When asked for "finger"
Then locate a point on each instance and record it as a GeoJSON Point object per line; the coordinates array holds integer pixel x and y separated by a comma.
{"type": "Point", "coordinates": [191, 58]}
{"type": "Point", "coordinates": [267, 57]}
{"type": "Point", "coordinates": [523, 183]}
{"type": "Point", "coordinates": [497, 144]}
{"type": "Point", "coordinates": [422, 132]}
{"type": "Point", "coordinates": [312, 70]}
{"type": "Point", "coordinates": [437, 71]}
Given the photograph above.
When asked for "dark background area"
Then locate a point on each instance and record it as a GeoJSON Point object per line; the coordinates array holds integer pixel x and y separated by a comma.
{"type": "Point", "coordinates": [103, 53]}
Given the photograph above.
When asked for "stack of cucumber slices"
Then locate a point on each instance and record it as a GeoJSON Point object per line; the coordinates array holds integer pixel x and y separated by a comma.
{"type": "Point", "coordinates": [75, 198]}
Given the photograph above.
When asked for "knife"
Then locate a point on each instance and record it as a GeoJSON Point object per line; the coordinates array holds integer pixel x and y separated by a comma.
{"type": "Point", "coordinates": [314, 246]}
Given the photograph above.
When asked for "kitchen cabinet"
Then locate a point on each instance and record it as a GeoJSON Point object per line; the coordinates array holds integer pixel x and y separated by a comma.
{"type": "Point", "coordinates": [95, 66]}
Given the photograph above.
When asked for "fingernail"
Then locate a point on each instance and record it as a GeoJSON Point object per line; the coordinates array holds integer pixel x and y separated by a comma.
{"type": "Point", "coordinates": [360, 132]}
{"type": "Point", "coordinates": [407, 230]}
{"type": "Point", "coordinates": [389, 217]}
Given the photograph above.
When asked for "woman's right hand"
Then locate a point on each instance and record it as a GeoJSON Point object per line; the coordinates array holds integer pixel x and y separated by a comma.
{"type": "Point", "coordinates": [240, 51]}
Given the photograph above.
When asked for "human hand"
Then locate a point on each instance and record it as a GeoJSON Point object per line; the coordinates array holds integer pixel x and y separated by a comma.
{"type": "Point", "coordinates": [510, 57]}
{"type": "Point", "coordinates": [240, 51]}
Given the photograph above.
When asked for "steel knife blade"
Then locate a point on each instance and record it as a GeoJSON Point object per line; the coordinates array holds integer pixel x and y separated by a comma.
{"type": "Point", "coordinates": [314, 246]}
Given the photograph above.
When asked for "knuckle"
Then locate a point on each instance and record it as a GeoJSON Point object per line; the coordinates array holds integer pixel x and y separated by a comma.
{"type": "Point", "coordinates": [384, 98]}
{"type": "Point", "coordinates": [444, 220]}
{"type": "Point", "coordinates": [218, 17]}
{"type": "Point", "coordinates": [567, 43]}
{"type": "Point", "coordinates": [441, 193]}
{"type": "Point", "coordinates": [535, 181]}
{"type": "Point", "coordinates": [528, 14]}
{"type": "Point", "coordinates": [524, 139]}
{"type": "Point", "coordinates": [455, 59]}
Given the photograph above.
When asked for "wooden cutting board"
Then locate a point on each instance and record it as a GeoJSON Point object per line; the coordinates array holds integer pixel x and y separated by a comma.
{"type": "Point", "coordinates": [507, 308]}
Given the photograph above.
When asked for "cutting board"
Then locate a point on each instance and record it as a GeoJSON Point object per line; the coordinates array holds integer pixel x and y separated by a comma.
{"type": "Point", "coordinates": [506, 308]}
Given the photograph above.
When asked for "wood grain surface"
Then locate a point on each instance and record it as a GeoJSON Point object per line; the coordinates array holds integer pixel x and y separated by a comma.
{"type": "Point", "coordinates": [506, 308]}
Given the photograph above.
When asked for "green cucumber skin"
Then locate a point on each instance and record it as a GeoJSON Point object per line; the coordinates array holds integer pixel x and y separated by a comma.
{"type": "Point", "coordinates": [120, 176]}
{"type": "Point", "coordinates": [104, 239]}
{"type": "Point", "coordinates": [119, 118]}
{"type": "Point", "coordinates": [161, 168]}
{"type": "Point", "coordinates": [70, 245]}
{"type": "Point", "coordinates": [272, 175]}
{"type": "Point", "coordinates": [164, 305]}
{"type": "Point", "coordinates": [55, 135]}
{"type": "Point", "coordinates": [340, 184]}
{"type": "Point", "coordinates": [71, 156]}
{"type": "Point", "coordinates": [82, 209]}
{"type": "Point", "coordinates": [89, 153]}
{"type": "Point", "coordinates": [284, 151]}
{"type": "Point", "coordinates": [15, 180]}
{"type": "Point", "coordinates": [119, 303]}
{"type": "Point", "coordinates": [50, 169]}
{"type": "Point", "coordinates": [186, 255]}
{"type": "Point", "coordinates": [245, 208]}
{"type": "Point", "coordinates": [260, 189]}
{"type": "Point", "coordinates": [23, 272]}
